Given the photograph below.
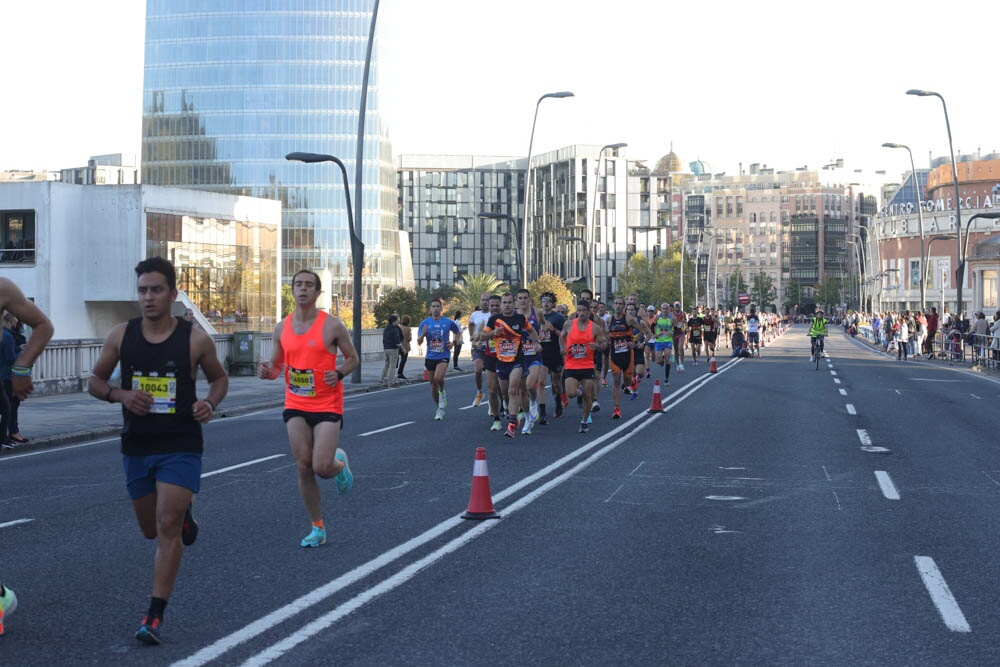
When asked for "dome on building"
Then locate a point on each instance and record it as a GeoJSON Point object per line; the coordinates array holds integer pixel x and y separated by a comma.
{"type": "Point", "coordinates": [670, 162]}
{"type": "Point", "coordinates": [700, 167]}
{"type": "Point", "coordinates": [987, 249]}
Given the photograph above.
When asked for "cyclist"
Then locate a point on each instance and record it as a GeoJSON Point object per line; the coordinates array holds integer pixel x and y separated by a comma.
{"type": "Point", "coordinates": [817, 331]}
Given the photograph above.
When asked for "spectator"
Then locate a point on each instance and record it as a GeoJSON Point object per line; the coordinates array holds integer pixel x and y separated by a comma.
{"type": "Point", "coordinates": [456, 349]}
{"type": "Point", "coordinates": [995, 333]}
{"type": "Point", "coordinates": [932, 329]}
{"type": "Point", "coordinates": [902, 338]}
{"type": "Point", "coordinates": [8, 354]}
{"type": "Point", "coordinates": [391, 344]}
{"type": "Point", "coordinates": [739, 343]}
{"type": "Point", "coordinates": [978, 333]}
{"type": "Point", "coordinates": [404, 352]}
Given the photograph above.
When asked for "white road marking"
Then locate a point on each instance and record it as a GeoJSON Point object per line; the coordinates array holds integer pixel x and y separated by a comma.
{"type": "Point", "coordinates": [827, 473]}
{"type": "Point", "coordinates": [16, 522]}
{"type": "Point", "coordinates": [387, 428]}
{"type": "Point", "coordinates": [851, 410]}
{"type": "Point", "coordinates": [885, 483]}
{"type": "Point", "coordinates": [933, 380]}
{"type": "Point", "coordinates": [836, 380]}
{"type": "Point", "coordinates": [843, 392]}
{"type": "Point", "coordinates": [941, 595]}
{"type": "Point", "coordinates": [620, 487]}
{"type": "Point", "coordinates": [56, 450]}
{"type": "Point", "coordinates": [724, 498]}
{"type": "Point", "coordinates": [834, 373]}
{"type": "Point", "coordinates": [978, 398]}
{"type": "Point", "coordinates": [866, 442]}
{"type": "Point", "coordinates": [240, 465]}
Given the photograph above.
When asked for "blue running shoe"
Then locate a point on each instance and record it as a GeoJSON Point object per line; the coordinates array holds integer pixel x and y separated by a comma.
{"type": "Point", "coordinates": [8, 603]}
{"type": "Point", "coordinates": [590, 419]}
{"type": "Point", "coordinates": [149, 631]}
{"type": "Point", "coordinates": [345, 480]}
{"type": "Point", "coordinates": [315, 538]}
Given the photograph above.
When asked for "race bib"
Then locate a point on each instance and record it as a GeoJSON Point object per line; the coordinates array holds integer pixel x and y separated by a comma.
{"type": "Point", "coordinates": [544, 336]}
{"type": "Point", "coordinates": [620, 345]}
{"type": "Point", "coordinates": [506, 347]}
{"type": "Point", "coordinates": [435, 345]}
{"type": "Point", "coordinates": [162, 389]}
{"type": "Point", "coordinates": [578, 351]}
{"type": "Point", "coordinates": [301, 383]}
{"type": "Point", "coordinates": [528, 346]}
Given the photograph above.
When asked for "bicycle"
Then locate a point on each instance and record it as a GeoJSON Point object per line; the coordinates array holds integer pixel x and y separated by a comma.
{"type": "Point", "coordinates": [817, 349]}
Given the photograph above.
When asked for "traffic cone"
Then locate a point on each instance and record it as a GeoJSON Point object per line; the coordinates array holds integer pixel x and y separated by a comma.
{"type": "Point", "coordinates": [480, 499]}
{"type": "Point", "coordinates": [712, 368]}
{"type": "Point", "coordinates": [657, 404]}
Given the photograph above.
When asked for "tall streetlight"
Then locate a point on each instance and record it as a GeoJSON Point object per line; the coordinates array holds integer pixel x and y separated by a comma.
{"type": "Point", "coordinates": [591, 228]}
{"type": "Point", "coordinates": [920, 214]}
{"type": "Point", "coordinates": [968, 227]}
{"type": "Point", "coordinates": [357, 250]}
{"type": "Point", "coordinates": [527, 185]}
{"type": "Point", "coordinates": [513, 225]}
{"type": "Point", "coordinates": [954, 176]}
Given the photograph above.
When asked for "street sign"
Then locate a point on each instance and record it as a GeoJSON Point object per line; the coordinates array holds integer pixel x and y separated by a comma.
{"type": "Point", "coordinates": [744, 299]}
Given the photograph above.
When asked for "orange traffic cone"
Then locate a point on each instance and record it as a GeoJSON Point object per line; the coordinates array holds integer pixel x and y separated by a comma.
{"type": "Point", "coordinates": [480, 498]}
{"type": "Point", "coordinates": [712, 368]}
{"type": "Point", "coordinates": [657, 405]}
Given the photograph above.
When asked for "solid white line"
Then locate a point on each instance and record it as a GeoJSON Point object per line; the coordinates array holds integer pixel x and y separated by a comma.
{"type": "Point", "coordinates": [56, 450]}
{"type": "Point", "coordinates": [266, 623]}
{"type": "Point", "coordinates": [387, 428]}
{"type": "Point", "coordinates": [240, 465]}
{"type": "Point", "coordinates": [851, 410]}
{"type": "Point", "coordinates": [885, 483]}
{"type": "Point", "coordinates": [843, 392]}
{"type": "Point", "coordinates": [941, 595]}
{"type": "Point", "coordinates": [15, 523]}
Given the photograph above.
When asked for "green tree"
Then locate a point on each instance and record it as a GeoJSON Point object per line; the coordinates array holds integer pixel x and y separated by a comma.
{"type": "Point", "coordinates": [548, 282]}
{"type": "Point", "coordinates": [467, 292]}
{"type": "Point", "coordinates": [735, 285]}
{"type": "Point", "coordinates": [760, 293]}
{"type": "Point", "coordinates": [400, 301]}
{"type": "Point", "coordinates": [637, 277]}
{"type": "Point", "coordinates": [287, 300]}
{"type": "Point", "coordinates": [828, 292]}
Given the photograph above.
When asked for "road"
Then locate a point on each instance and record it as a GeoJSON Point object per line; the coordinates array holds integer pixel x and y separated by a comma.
{"type": "Point", "coordinates": [774, 514]}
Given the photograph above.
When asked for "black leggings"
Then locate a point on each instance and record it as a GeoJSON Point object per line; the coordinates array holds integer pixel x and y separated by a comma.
{"type": "Point", "coordinates": [456, 351]}
{"type": "Point", "coordinates": [402, 362]}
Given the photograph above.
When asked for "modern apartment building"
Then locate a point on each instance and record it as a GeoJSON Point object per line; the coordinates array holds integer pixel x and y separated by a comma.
{"type": "Point", "coordinates": [231, 87]}
{"type": "Point", "coordinates": [441, 199]}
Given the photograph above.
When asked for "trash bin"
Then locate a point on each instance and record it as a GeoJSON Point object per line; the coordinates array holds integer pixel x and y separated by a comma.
{"type": "Point", "coordinates": [246, 347]}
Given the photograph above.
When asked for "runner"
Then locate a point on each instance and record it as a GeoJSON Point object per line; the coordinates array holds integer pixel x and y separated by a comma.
{"type": "Point", "coordinates": [641, 333]}
{"type": "Point", "coordinates": [306, 344]}
{"type": "Point", "coordinates": [680, 321]}
{"type": "Point", "coordinates": [508, 330]}
{"type": "Point", "coordinates": [580, 338]}
{"type": "Point", "coordinates": [588, 296]}
{"type": "Point", "coordinates": [532, 363]}
{"type": "Point", "coordinates": [753, 332]}
{"type": "Point", "coordinates": [663, 330]}
{"type": "Point", "coordinates": [621, 335]}
{"type": "Point", "coordinates": [477, 321]}
{"type": "Point", "coordinates": [496, 406]}
{"type": "Point", "coordinates": [696, 325]}
{"type": "Point", "coordinates": [438, 331]}
{"type": "Point", "coordinates": [650, 347]}
{"type": "Point", "coordinates": [161, 437]}
{"type": "Point", "coordinates": [552, 359]}
{"type": "Point", "coordinates": [711, 320]}
{"type": "Point", "coordinates": [14, 301]}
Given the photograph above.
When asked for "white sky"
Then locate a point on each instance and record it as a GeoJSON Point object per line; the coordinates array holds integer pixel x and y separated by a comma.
{"type": "Point", "coordinates": [782, 83]}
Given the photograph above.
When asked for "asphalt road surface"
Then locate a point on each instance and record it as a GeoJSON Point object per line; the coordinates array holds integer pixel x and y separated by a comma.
{"type": "Point", "coordinates": [773, 515]}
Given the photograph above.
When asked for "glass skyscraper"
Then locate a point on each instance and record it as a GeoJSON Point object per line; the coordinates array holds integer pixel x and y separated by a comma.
{"type": "Point", "coordinates": [232, 86]}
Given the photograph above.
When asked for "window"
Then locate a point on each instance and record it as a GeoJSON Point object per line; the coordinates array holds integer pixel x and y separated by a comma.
{"type": "Point", "coordinates": [17, 236]}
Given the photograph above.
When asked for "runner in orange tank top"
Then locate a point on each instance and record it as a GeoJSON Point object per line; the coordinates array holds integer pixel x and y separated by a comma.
{"type": "Point", "coordinates": [579, 338]}
{"type": "Point", "coordinates": [305, 348]}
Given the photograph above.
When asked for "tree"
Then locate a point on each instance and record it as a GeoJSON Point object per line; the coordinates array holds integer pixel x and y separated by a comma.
{"type": "Point", "coordinates": [467, 292]}
{"type": "Point", "coordinates": [637, 277]}
{"type": "Point", "coordinates": [287, 300]}
{"type": "Point", "coordinates": [399, 301]}
{"type": "Point", "coordinates": [828, 292]}
{"type": "Point", "coordinates": [760, 294]}
{"type": "Point", "coordinates": [548, 282]}
{"type": "Point", "coordinates": [347, 316]}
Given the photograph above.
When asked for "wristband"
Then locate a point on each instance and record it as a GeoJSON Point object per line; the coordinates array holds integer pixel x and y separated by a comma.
{"type": "Point", "coordinates": [205, 400]}
{"type": "Point", "coordinates": [107, 396]}
{"type": "Point", "coordinates": [340, 376]}
{"type": "Point", "coordinates": [21, 371]}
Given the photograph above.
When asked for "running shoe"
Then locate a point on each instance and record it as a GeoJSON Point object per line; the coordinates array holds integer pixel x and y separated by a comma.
{"type": "Point", "coordinates": [315, 538]}
{"type": "Point", "coordinates": [442, 400]}
{"type": "Point", "coordinates": [497, 426]}
{"type": "Point", "coordinates": [479, 399]}
{"type": "Point", "coordinates": [680, 367]}
{"type": "Point", "coordinates": [590, 419]}
{"type": "Point", "coordinates": [542, 421]}
{"type": "Point", "coordinates": [8, 603]}
{"type": "Point", "coordinates": [596, 407]}
{"type": "Point", "coordinates": [559, 409]}
{"type": "Point", "coordinates": [617, 414]}
{"type": "Point", "coordinates": [511, 430]}
{"type": "Point", "coordinates": [344, 479]}
{"type": "Point", "coordinates": [604, 382]}
{"type": "Point", "coordinates": [634, 396]}
{"type": "Point", "coordinates": [626, 390]}
{"type": "Point", "coordinates": [526, 429]}
{"type": "Point", "coordinates": [189, 529]}
{"type": "Point", "coordinates": [583, 427]}
{"type": "Point", "coordinates": [439, 414]}
{"type": "Point", "coordinates": [149, 631]}
{"type": "Point", "coordinates": [533, 410]}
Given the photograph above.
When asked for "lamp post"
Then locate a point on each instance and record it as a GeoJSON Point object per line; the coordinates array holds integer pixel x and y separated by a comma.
{"type": "Point", "coordinates": [993, 215]}
{"type": "Point", "coordinates": [712, 249]}
{"type": "Point", "coordinates": [857, 259]}
{"type": "Point", "coordinates": [591, 227]}
{"type": "Point", "coordinates": [357, 250]}
{"type": "Point", "coordinates": [920, 213]}
{"type": "Point", "coordinates": [527, 185]}
{"type": "Point", "coordinates": [513, 225]}
{"type": "Point", "coordinates": [954, 175]}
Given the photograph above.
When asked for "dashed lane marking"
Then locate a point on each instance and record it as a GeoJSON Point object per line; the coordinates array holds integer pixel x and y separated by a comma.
{"type": "Point", "coordinates": [941, 595]}
{"type": "Point", "coordinates": [387, 428]}
{"type": "Point", "coordinates": [885, 483]}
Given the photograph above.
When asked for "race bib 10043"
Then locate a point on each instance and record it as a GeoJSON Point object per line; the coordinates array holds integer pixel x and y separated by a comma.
{"type": "Point", "coordinates": [162, 389]}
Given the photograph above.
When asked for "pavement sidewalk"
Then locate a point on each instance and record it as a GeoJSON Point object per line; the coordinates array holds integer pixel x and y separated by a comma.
{"type": "Point", "coordinates": [59, 419]}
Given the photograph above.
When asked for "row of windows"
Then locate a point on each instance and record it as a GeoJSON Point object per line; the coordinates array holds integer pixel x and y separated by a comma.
{"type": "Point", "coordinates": [192, 102]}
{"type": "Point", "coordinates": [218, 49]}
{"type": "Point", "coordinates": [195, 76]}
{"type": "Point", "coordinates": [167, 19]}
{"type": "Point", "coordinates": [17, 236]}
{"type": "Point", "coordinates": [460, 179]}
{"type": "Point", "coordinates": [321, 127]}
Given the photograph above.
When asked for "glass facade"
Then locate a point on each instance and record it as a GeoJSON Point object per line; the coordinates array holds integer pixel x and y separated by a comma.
{"type": "Point", "coordinates": [228, 268]}
{"type": "Point", "coordinates": [232, 86]}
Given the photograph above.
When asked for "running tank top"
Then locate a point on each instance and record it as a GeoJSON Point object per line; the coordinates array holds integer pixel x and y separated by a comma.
{"type": "Point", "coordinates": [579, 356]}
{"type": "Point", "coordinates": [306, 360]}
{"type": "Point", "coordinates": [162, 370]}
{"type": "Point", "coordinates": [621, 335]}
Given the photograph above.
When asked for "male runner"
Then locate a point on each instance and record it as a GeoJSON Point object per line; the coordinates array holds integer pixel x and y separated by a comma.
{"type": "Point", "coordinates": [696, 325]}
{"type": "Point", "coordinates": [620, 337]}
{"type": "Point", "coordinates": [711, 320]}
{"type": "Point", "coordinates": [306, 344]}
{"type": "Point", "coordinates": [438, 331]}
{"type": "Point", "coordinates": [532, 362]}
{"type": "Point", "coordinates": [13, 300]}
{"type": "Point", "coordinates": [588, 296]}
{"type": "Point", "coordinates": [495, 399]}
{"type": "Point", "coordinates": [650, 347]}
{"type": "Point", "coordinates": [753, 332]}
{"type": "Point", "coordinates": [641, 333]}
{"type": "Point", "coordinates": [161, 437]}
{"type": "Point", "coordinates": [477, 320]}
{"type": "Point", "coordinates": [552, 358]}
{"type": "Point", "coordinates": [580, 338]}
{"type": "Point", "coordinates": [663, 331]}
{"type": "Point", "coordinates": [508, 330]}
{"type": "Point", "coordinates": [680, 321]}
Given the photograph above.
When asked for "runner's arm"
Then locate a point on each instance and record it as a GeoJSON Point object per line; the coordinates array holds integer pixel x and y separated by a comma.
{"type": "Point", "coordinates": [136, 402]}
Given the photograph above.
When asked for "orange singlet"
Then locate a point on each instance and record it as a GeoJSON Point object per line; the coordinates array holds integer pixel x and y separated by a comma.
{"type": "Point", "coordinates": [579, 356]}
{"type": "Point", "coordinates": [306, 359]}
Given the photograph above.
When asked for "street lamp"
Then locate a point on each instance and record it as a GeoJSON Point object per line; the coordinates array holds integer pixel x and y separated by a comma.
{"type": "Point", "coordinates": [586, 256]}
{"type": "Point", "coordinates": [965, 250]}
{"type": "Point", "coordinates": [591, 228]}
{"type": "Point", "coordinates": [527, 185]}
{"type": "Point", "coordinates": [357, 250]}
{"type": "Point", "coordinates": [691, 216]}
{"type": "Point", "coordinates": [926, 258]}
{"type": "Point", "coordinates": [954, 175]}
{"type": "Point", "coordinates": [920, 214]}
{"type": "Point", "coordinates": [513, 225]}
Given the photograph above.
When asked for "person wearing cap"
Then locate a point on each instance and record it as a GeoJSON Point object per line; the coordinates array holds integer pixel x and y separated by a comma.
{"type": "Point", "coordinates": [680, 324]}
{"type": "Point", "coordinates": [817, 331]}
